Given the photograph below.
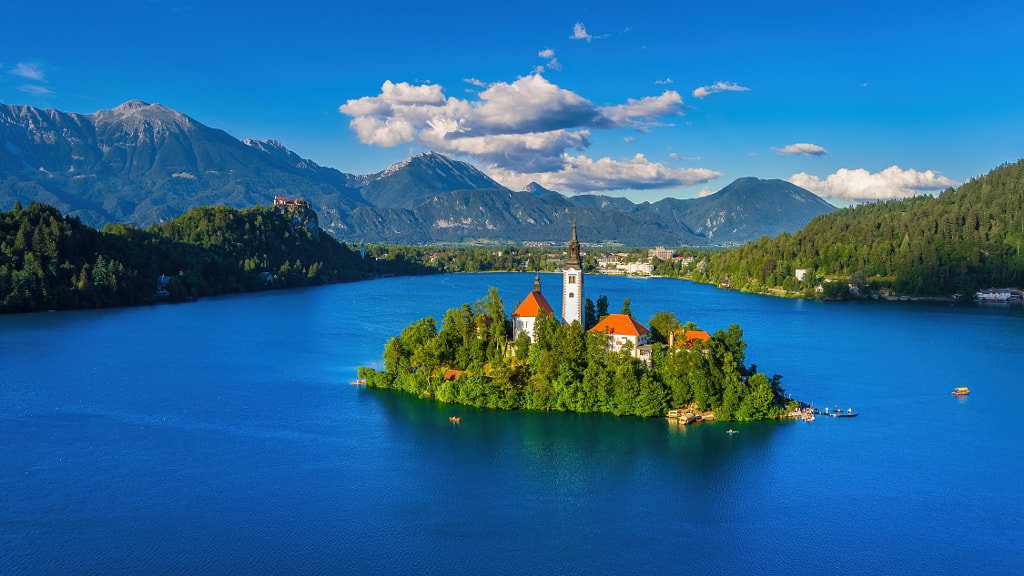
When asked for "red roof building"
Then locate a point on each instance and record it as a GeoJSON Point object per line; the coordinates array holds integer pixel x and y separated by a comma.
{"type": "Point", "coordinates": [688, 337]}
{"type": "Point", "coordinates": [524, 318]}
{"type": "Point", "coordinates": [621, 329]}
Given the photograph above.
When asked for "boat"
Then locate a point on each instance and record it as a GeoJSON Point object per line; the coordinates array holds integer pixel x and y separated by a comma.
{"type": "Point", "coordinates": [961, 391]}
{"type": "Point", "coordinates": [731, 431]}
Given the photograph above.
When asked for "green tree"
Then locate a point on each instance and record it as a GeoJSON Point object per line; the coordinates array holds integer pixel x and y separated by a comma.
{"type": "Point", "coordinates": [589, 314]}
{"type": "Point", "coordinates": [662, 325]}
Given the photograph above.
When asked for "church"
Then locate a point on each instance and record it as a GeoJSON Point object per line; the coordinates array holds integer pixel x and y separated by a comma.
{"type": "Point", "coordinates": [525, 316]}
{"type": "Point", "coordinates": [620, 329]}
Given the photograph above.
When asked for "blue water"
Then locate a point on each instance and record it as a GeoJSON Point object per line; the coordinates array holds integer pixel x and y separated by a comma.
{"type": "Point", "coordinates": [222, 437]}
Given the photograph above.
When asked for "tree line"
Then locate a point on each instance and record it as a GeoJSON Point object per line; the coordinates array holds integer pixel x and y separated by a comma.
{"type": "Point", "coordinates": [53, 262]}
{"type": "Point", "coordinates": [957, 242]}
{"type": "Point", "coordinates": [570, 369]}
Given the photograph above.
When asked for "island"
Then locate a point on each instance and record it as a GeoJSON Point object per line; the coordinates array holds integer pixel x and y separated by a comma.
{"type": "Point", "coordinates": [587, 361]}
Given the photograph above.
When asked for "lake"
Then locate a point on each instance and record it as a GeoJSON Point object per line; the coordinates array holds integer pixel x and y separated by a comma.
{"type": "Point", "coordinates": [222, 437]}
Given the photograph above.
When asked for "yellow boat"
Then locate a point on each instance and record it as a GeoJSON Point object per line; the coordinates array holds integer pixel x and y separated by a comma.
{"type": "Point", "coordinates": [961, 392]}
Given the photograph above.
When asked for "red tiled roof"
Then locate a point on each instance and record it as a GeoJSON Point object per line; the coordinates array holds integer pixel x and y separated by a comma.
{"type": "Point", "coordinates": [453, 375]}
{"type": "Point", "coordinates": [689, 337]}
{"type": "Point", "coordinates": [620, 325]}
{"type": "Point", "coordinates": [692, 335]}
{"type": "Point", "coordinates": [532, 306]}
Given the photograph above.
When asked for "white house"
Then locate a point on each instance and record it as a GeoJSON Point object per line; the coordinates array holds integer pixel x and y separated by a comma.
{"type": "Point", "coordinates": [620, 329]}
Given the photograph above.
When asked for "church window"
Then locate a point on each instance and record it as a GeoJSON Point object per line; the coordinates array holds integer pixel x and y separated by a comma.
{"type": "Point", "coordinates": [572, 279]}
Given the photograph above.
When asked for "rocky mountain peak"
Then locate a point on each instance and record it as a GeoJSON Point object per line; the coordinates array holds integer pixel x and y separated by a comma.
{"type": "Point", "coordinates": [130, 106]}
{"type": "Point", "coordinates": [537, 189]}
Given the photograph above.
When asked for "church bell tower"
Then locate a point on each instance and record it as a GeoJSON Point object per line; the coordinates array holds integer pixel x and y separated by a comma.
{"type": "Point", "coordinates": [572, 282]}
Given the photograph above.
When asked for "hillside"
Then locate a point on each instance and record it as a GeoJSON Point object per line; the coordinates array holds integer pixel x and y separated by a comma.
{"type": "Point", "coordinates": [960, 241]}
{"type": "Point", "coordinates": [145, 163]}
{"type": "Point", "coordinates": [49, 261]}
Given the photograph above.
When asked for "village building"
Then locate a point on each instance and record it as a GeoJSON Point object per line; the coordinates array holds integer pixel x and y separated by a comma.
{"type": "Point", "coordinates": [687, 338]}
{"type": "Point", "coordinates": [659, 252]}
{"type": "Point", "coordinates": [631, 268]}
{"type": "Point", "coordinates": [621, 329]}
{"type": "Point", "coordinates": [524, 318]}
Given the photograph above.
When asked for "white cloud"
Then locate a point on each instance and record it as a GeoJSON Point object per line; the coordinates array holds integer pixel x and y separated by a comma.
{"type": "Point", "coordinates": [35, 90]}
{"type": "Point", "coordinates": [522, 131]}
{"type": "Point", "coordinates": [665, 81]}
{"type": "Point", "coordinates": [718, 87]}
{"type": "Point", "coordinates": [530, 104]}
{"type": "Point", "coordinates": [579, 32]}
{"type": "Point", "coordinates": [859, 185]}
{"type": "Point", "coordinates": [582, 174]}
{"type": "Point", "coordinates": [628, 139]}
{"type": "Point", "coordinates": [28, 70]}
{"type": "Point", "coordinates": [801, 148]}
{"type": "Point", "coordinates": [645, 110]}
{"type": "Point", "coordinates": [525, 126]}
{"type": "Point", "coordinates": [531, 152]}
{"type": "Point", "coordinates": [705, 192]}
{"type": "Point", "coordinates": [676, 156]}
{"type": "Point", "coordinates": [553, 63]}
{"type": "Point", "coordinates": [474, 82]}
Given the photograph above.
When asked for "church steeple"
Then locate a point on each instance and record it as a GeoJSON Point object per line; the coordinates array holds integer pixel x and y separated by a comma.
{"type": "Point", "coordinates": [574, 248]}
{"type": "Point", "coordinates": [536, 283]}
{"type": "Point", "coordinates": [572, 282]}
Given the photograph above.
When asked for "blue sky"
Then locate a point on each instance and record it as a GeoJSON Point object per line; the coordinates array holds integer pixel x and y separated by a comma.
{"type": "Point", "coordinates": [853, 100]}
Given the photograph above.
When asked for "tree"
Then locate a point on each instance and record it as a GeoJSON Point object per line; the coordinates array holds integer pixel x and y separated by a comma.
{"type": "Point", "coordinates": [625, 308]}
{"type": "Point", "coordinates": [652, 399]}
{"type": "Point", "coordinates": [662, 325]}
{"type": "Point", "coordinates": [522, 345]}
{"type": "Point", "coordinates": [733, 341]}
{"type": "Point", "coordinates": [589, 314]}
{"type": "Point", "coordinates": [602, 307]}
{"type": "Point", "coordinates": [395, 359]}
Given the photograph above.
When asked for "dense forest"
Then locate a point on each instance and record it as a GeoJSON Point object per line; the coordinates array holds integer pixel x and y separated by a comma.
{"type": "Point", "coordinates": [957, 242]}
{"type": "Point", "coordinates": [571, 369]}
{"type": "Point", "coordinates": [53, 262]}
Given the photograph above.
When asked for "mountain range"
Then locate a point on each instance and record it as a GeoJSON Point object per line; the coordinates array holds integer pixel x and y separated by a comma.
{"type": "Point", "coordinates": [145, 163]}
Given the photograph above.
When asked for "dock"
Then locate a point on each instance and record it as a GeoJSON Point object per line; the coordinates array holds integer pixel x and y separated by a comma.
{"type": "Point", "coordinates": [807, 412]}
{"type": "Point", "coordinates": [683, 416]}
{"type": "Point", "coordinates": [836, 413]}
{"type": "Point", "coordinates": [359, 382]}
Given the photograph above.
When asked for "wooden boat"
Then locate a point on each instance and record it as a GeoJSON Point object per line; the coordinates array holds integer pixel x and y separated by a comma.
{"type": "Point", "coordinates": [455, 419]}
{"type": "Point", "coordinates": [731, 431]}
{"type": "Point", "coordinates": [961, 391]}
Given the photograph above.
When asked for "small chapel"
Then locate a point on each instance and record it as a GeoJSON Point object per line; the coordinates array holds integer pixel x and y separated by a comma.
{"type": "Point", "coordinates": [525, 316]}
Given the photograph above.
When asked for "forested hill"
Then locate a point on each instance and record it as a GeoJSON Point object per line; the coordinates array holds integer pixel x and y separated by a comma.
{"type": "Point", "coordinates": [53, 262]}
{"type": "Point", "coordinates": [957, 242]}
